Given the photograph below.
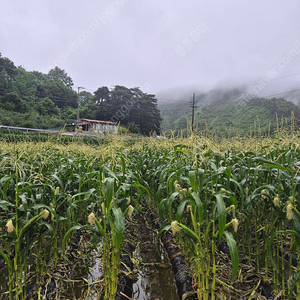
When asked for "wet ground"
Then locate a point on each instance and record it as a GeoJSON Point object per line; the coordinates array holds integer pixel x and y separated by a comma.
{"type": "Point", "coordinates": [152, 273]}
{"type": "Point", "coordinates": [155, 279]}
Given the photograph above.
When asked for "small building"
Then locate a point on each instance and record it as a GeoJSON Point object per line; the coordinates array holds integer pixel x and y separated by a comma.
{"type": "Point", "coordinates": [97, 126]}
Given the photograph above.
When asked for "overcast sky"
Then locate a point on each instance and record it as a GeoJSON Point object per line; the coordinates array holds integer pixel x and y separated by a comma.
{"type": "Point", "coordinates": [155, 45]}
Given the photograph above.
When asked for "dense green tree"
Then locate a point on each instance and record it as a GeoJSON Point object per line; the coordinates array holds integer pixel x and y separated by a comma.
{"type": "Point", "coordinates": [105, 106]}
{"type": "Point", "coordinates": [39, 76]}
{"type": "Point", "coordinates": [148, 113]}
{"type": "Point", "coordinates": [35, 99]}
{"type": "Point", "coordinates": [5, 84]}
{"type": "Point", "coordinates": [122, 105]}
{"type": "Point", "coordinates": [55, 90]}
{"type": "Point", "coordinates": [68, 113]}
{"type": "Point", "coordinates": [13, 102]}
{"type": "Point", "coordinates": [23, 85]}
{"type": "Point", "coordinates": [258, 115]}
{"type": "Point", "coordinates": [61, 75]}
{"type": "Point", "coordinates": [46, 106]}
{"type": "Point", "coordinates": [134, 128]}
{"type": "Point", "coordinates": [35, 93]}
{"type": "Point", "coordinates": [102, 94]}
{"type": "Point", "coordinates": [88, 106]}
{"type": "Point", "coordinates": [58, 93]}
{"type": "Point", "coordinates": [8, 67]}
{"type": "Point", "coordinates": [128, 106]}
{"type": "Point", "coordinates": [7, 73]}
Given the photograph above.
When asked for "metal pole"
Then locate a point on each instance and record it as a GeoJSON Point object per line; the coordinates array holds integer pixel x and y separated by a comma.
{"type": "Point", "coordinates": [193, 111]}
{"type": "Point", "coordinates": [78, 105]}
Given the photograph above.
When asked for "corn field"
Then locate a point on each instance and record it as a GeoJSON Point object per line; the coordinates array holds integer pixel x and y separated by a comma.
{"type": "Point", "coordinates": [231, 204]}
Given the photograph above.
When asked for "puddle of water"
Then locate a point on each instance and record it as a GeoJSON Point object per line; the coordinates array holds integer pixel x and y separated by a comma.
{"type": "Point", "coordinates": [95, 275]}
{"type": "Point", "coordinates": [157, 285]}
{"type": "Point", "coordinates": [155, 276]}
{"type": "Point", "coordinates": [96, 271]}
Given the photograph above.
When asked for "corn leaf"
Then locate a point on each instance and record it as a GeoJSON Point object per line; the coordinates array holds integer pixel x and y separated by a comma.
{"type": "Point", "coordinates": [201, 176]}
{"type": "Point", "coordinates": [169, 203]}
{"type": "Point", "coordinates": [6, 179]}
{"type": "Point", "coordinates": [165, 228]}
{"type": "Point", "coordinates": [63, 244]}
{"type": "Point", "coordinates": [190, 233]}
{"type": "Point", "coordinates": [29, 223]}
{"type": "Point", "coordinates": [192, 178]}
{"type": "Point", "coordinates": [141, 187]}
{"type": "Point", "coordinates": [240, 188]}
{"type": "Point", "coordinates": [123, 168]}
{"type": "Point", "coordinates": [180, 210]}
{"type": "Point", "coordinates": [109, 192]}
{"type": "Point", "coordinates": [50, 228]}
{"type": "Point", "coordinates": [233, 252]}
{"type": "Point", "coordinates": [270, 164]}
{"type": "Point", "coordinates": [119, 225]}
{"type": "Point", "coordinates": [5, 204]}
{"type": "Point", "coordinates": [7, 261]}
{"type": "Point", "coordinates": [199, 205]}
{"type": "Point", "coordinates": [296, 226]}
{"type": "Point", "coordinates": [100, 228]}
{"type": "Point", "coordinates": [110, 173]}
{"type": "Point", "coordinates": [221, 209]}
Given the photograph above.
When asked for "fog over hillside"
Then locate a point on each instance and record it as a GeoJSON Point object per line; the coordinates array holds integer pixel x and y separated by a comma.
{"type": "Point", "coordinates": [235, 88]}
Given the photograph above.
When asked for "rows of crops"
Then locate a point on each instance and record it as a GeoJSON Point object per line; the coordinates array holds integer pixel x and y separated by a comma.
{"type": "Point", "coordinates": [19, 136]}
{"type": "Point", "coordinates": [240, 195]}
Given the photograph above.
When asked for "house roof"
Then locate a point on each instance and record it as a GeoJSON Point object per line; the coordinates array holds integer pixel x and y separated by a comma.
{"type": "Point", "coordinates": [97, 121]}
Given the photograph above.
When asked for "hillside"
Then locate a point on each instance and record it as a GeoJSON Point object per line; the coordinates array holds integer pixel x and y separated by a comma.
{"type": "Point", "coordinates": [37, 100]}
{"type": "Point", "coordinates": [34, 99]}
{"type": "Point", "coordinates": [259, 115]}
{"type": "Point", "coordinates": [174, 110]}
{"type": "Point", "coordinates": [223, 114]}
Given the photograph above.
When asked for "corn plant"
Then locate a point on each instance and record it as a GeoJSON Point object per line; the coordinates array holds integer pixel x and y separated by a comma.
{"type": "Point", "coordinates": [244, 191]}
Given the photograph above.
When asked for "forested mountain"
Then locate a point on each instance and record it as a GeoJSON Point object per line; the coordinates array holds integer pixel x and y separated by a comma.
{"type": "Point", "coordinates": [174, 109]}
{"type": "Point", "coordinates": [34, 99]}
{"type": "Point", "coordinates": [227, 113]}
{"type": "Point", "coordinates": [37, 100]}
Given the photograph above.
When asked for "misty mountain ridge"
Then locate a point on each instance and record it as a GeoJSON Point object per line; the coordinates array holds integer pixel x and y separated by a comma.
{"type": "Point", "coordinates": [226, 109]}
{"type": "Point", "coordinates": [260, 87]}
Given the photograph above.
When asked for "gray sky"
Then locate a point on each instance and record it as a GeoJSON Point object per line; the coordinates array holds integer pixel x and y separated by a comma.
{"type": "Point", "coordinates": [156, 45]}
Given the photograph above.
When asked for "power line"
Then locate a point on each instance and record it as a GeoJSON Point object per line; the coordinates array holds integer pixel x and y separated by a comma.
{"type": "Point", "coordinates": [246, 85]}
{"type": "Point", "coordinates": [266, 96]}
{"type": "Point", "coordinates": [279, 94]}
{"type": "Point", "coordinates": [64, 98]}
{"type": "Point", "coordinates": [250, 84]}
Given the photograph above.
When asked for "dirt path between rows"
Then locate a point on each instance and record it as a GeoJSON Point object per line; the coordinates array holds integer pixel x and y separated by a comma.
{"type": "Point", "coordinates": [155, 279]}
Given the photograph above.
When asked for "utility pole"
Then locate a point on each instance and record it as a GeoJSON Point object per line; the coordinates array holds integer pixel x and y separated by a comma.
{"type": "Point", "coordinates": [78, 104]}
{"type": "Point", "coordinates": [193, 111]}
{"type": "Point", "coordinates": [162, 121]}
